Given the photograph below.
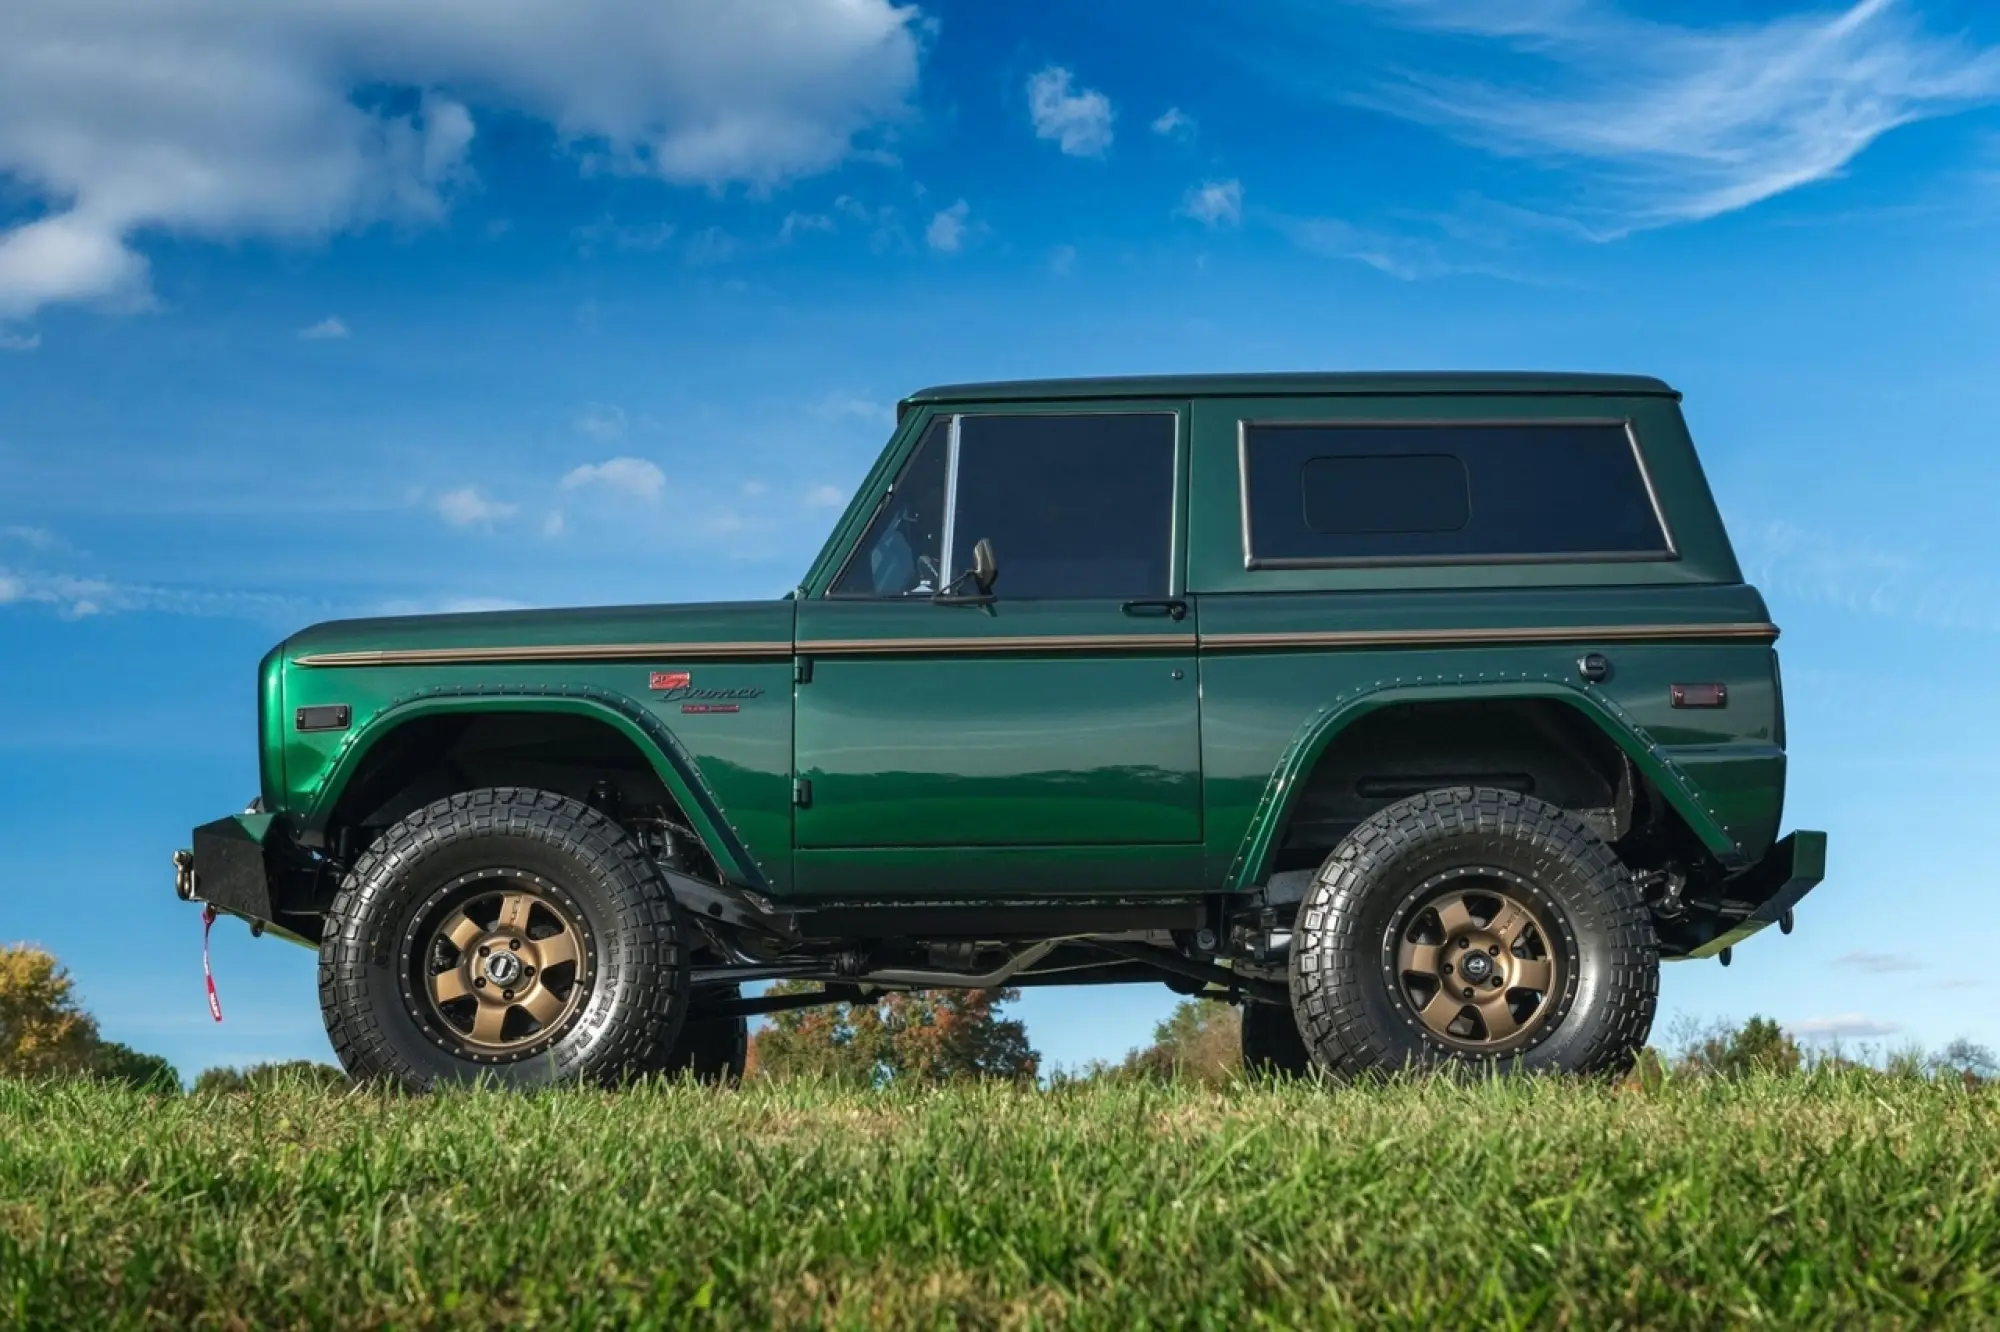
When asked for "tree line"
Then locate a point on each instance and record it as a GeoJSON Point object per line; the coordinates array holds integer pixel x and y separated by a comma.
{"type": "Point", "coordinates": [923, 1037]}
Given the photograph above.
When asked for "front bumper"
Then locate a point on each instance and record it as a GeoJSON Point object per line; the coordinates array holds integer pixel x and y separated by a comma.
{"type": "Point", "coordinates": [1765, 893]}
{"type": "Point", "coordinates": [233, 866]}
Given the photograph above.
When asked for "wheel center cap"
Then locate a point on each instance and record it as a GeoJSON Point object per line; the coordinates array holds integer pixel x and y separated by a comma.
{"type": "Point", "coordinates": [503, 968]}
{"type": "Point", "coordinates": [1476, 966]}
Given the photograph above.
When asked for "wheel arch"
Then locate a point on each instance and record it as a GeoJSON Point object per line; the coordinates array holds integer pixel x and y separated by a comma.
{"type": "Point", "coordinates": [1326, 727]}
{"type": "Point", "coordinates": [642, 735]}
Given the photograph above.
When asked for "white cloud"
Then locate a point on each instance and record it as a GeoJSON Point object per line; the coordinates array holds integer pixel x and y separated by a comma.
{"type": "Point", "coordinates": [1842, 1027]}
{"type": "Point", "coordinates": [602, 420]}
{"type": "Point", "coordinates": [624, 236]}
{"type": "Point", "coordinates": [1174, 123]}
{"type": "Point", "coordinates": [629, 476]}
{"type": "Point", "coordinates": [35, 538]}
{"type": "Point", "coordinates": [1078, 122]}
{"type": "Point", "coordinates": [826, 497]}
{"type": "Point", "coordinates": [946, 233]}
{"type": "Point", "coordinates": [78, 598]}
{"type": "Point", "coordinates": [800, 224]}
{"type": "Point", "coordinates": [467, 507]}
{"type": "Point", "coordinates": [20, 342]}
{"type": "Point", "coordinates": [1677, 124]}
{"type": "Point", "coordinates": [712, 245]}
{"type": "Point", "coordinates": [555, 524]}
{"type": "Point", "coordinates": [329, 327]}
{"type": "Point", "coordinates": [1215, 203]}
{"type": "Point", "coordinates": [835, 406]}
{"type": "Point", "coordinates": [178, 117]}
{"type": "Point", "coordinates": [1879, 963]}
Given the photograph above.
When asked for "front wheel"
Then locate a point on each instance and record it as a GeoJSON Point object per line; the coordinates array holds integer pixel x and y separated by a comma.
{"type": "Point", "coordinates": [1471, 926]}
{"type": "Point", "coordinates": [505, 933]}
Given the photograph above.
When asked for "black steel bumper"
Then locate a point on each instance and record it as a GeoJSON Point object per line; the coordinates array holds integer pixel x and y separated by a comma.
{"type": "Point", "coordinates": [1765, 893]}
{"type": "Point", "coordinates": [233, 866]}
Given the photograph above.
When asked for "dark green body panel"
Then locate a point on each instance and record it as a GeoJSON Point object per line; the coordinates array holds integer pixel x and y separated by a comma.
{"type": "Point", "coordinates": [732, 772]}
{"type": "Point", "coordinates": [1073, 748]}
{"type": "Point", "coordinates": [953, 751]}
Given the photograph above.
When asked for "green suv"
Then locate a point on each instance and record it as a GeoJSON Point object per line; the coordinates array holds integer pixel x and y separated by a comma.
{"type": "Point", "coordinates": [1422, 715]}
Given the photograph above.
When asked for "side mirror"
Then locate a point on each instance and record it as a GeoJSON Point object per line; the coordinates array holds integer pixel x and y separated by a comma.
{"type": "Point", "coordinates": [982, 575]}
{"type": "Point", "coordinates": [985, 568]}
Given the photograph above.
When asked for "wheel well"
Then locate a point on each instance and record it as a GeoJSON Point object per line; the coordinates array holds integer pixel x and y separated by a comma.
{"type": "Point", "coordinates": [433, 757]}
{"type": "Point", "coordinates": [1538, 747]}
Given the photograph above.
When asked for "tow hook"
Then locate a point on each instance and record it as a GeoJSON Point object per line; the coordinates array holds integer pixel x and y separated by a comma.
{"type": "Point", "coordinates": [1785, 922]}
{"type": "Point", "coordinates": [184, 882]}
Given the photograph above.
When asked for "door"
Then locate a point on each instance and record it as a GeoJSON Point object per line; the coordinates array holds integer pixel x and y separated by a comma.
{"type": "Point", "coordinates": [1045, 739]}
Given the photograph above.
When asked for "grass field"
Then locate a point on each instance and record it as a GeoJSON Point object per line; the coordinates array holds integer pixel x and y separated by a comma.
{"type": "Point", "coordinates": [1816, 1201]}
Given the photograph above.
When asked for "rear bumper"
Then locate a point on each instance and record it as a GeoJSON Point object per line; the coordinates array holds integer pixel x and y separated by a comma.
{"type": "Point", "coordinates": [232, 867]}
{"type": "Point", "coordinates": [1765, 893]}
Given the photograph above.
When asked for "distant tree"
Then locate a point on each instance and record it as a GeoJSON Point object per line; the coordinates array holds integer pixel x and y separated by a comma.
{"type": "Point", "coordinates": [1971, 1062]}
{"type": "Point", "coordinates": [122, 1064]}
{"type": "Point", "coordinates": [1758, 1046]}
{"type": "Point", "coordinates": [1200, 1041]}
{"type": "Point", "coordinates": [289, 1073]}
{"type": "Point", "coordinates": [44, 1032]}
{"type": "Point", "coordinates": [926, 1036]}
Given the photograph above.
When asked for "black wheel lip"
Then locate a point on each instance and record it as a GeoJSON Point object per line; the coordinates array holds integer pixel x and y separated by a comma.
{"type": "Point", "coordinates": [417, 1008]}
{"type": "Point", "coordinates": [1417, 898]}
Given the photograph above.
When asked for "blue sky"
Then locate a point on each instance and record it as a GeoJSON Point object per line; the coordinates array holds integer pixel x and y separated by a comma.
{"type": "Point", "coordinates": [443, 304]}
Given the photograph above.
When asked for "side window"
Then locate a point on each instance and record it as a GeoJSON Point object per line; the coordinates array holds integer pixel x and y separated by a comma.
{"type": "Point", "coordinates": [899, 554]}
{"type": "Point", "coordinates": [1077, 505]}
{"type": "Point", "coordinates": [1445, 493]}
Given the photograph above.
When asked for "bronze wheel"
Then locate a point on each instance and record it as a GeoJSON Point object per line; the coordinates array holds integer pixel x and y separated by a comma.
{"type": "Point", "coordinates": [504, 969]}
{"type": "Point", "coordinates": [1472, 959]}
{"type": "Point", "coordinates": [1473, 889]}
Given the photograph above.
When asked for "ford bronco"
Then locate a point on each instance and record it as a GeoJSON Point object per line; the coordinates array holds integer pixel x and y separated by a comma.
{"type": "Point", "coordinates": [1422, 715]}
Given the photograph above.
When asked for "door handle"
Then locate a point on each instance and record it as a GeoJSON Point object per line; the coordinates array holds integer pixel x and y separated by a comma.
{"type": "Point", "coordinates": [1172, 608]}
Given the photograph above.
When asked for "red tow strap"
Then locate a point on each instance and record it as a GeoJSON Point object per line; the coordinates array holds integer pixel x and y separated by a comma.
{"type": "Point", "coordinates": [207, 924]}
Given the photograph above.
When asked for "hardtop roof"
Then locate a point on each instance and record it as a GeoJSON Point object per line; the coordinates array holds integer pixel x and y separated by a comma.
{"type": "Point", "coordinates": [1302, 384]}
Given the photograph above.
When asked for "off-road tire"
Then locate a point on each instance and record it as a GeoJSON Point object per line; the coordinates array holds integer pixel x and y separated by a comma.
{"type": "Point", "coordinates": [1272, 1046]}
{"type": "Point", "coordinates": [1351, 1013]}
{"type": "Point", "coordinates": [712, 1049]}
{"type": "Point", "coordinates": [638, 984]}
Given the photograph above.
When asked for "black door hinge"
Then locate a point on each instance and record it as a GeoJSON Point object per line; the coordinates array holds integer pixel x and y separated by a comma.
{"type": "Point", "coordinates": [802, 792]}
{"type": "Point", "coordinates": [802, 670]}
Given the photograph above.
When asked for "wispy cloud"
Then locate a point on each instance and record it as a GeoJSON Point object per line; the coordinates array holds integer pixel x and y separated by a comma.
{"type": "Point", "coordinates": [75, 597]}
{"type": "Point", "coordinates": [627, 476]}
{"type": "Point", "coordinates": [330, 327]}
{"type": "Point", "coordinates": [19, 342]}
{"type": "Point", "coordinates": [852, 406]}
{"type": "Point", "coordinates": [1675, 124]}
{"type": "Point", "coordinates": [608, 231]}
{"type": "Point", "coordinates": [1078, 122]}
{"type": "Point", "coordinates": [602, 420]}
{"type": "Point", "coordinates": [1786, 559]}
{"type": "Point", "coordinates": [1408, 257]}
{"type": "Point", "coordinates": [34, 538]}
{"type": "Point", "coordinates": [468, 507]}
{"type": "Point", "coordinates": [1214, 203]}
{"type": "Point", "coordinates": [1841, 1027]}
{"type": "Point", "coordinates": [825, 497]}
{"type": "Point", "coordinates": [1062, 260]}
{"type": "Point", "coordinates": [946, 233]}
{"type": "Point", "coordinates": [1879, 964]}
{"type": "Point", "coordinates": [1174, 123]}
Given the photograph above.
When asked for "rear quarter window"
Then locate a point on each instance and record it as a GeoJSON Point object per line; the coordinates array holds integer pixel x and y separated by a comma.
{"type": "Point", "coordinates": [1319, 494]}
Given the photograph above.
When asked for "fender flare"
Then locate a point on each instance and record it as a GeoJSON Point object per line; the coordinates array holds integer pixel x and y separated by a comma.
{"type": "Point", "coordinates": [669, 759]}
{"type": "Point", "coordinates": [1317, 734]}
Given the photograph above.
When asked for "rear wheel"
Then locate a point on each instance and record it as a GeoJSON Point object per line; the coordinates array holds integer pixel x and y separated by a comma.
{"type": "Point", "coordinates": [504, 933]}
{"type": "Point", "coordinates": [1474, 927]}
{"type": "Point", "coordinates": [1272, 1047]}
{"type": "Point", "coordinates": [710, 1048]}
